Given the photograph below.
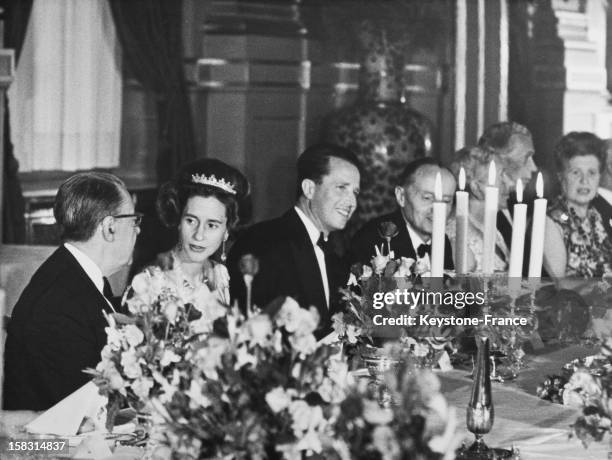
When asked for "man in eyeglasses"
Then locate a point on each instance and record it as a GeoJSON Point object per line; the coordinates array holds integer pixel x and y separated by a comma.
{"type": "Point", "coordinates": [57, 326]}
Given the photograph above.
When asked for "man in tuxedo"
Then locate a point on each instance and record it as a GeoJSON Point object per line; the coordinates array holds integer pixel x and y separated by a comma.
{"type": "Point", "coordinates": [415, 195]}
{"type": "Point", "coordinates": [294, 250]}
{"type": "Point", "coordinates": [57, 326]}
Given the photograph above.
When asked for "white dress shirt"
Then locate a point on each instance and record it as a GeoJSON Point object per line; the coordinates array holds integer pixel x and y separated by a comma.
{"type": "Point", "coordinates": [416, 242]}
{"type": "Point", "coordinates": [314, 233]}
{"type": "Point", "coordinates": [90, 268]}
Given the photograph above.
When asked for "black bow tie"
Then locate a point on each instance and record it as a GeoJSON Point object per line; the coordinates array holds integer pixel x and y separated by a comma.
{"type": "Point", "coordinates": [323, 243]}
{"type": "Point", "coordinates": [423, 249]}
{"type": "Point", "coordinates": [107, 290]}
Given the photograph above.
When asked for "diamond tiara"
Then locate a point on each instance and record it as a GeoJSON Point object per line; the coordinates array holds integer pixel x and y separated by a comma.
{"type": "Point", "coordinates": [213, 182]}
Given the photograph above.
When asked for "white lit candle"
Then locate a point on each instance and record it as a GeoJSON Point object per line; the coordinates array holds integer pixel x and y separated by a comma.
{"type": "Point", "coordinates": [439, 230]}
{"type": "Point", "coordinates": [490, 223]}
{"type": "Point", "coordinates": [461, 222]}
{"type": "Point", "coordinates": [537, 231]}
{"type": "Point", "coordinates": [519, 225]}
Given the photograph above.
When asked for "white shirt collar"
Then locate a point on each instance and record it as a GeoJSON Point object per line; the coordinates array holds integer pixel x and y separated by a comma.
{"type": "Point", "coordinates": [313, 232]}
{"type": "Point", "coordinates": [88, 265]}
{"type": "Point", "coordinates": [605, 194]}
{"type": "Point", "coordinates": [414, 236]}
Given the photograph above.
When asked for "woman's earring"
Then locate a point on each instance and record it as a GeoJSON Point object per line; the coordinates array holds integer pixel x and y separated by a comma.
{"type": "Point", "coordinates": [223, 256]}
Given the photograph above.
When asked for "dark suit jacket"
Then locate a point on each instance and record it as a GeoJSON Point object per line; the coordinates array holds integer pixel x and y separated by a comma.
{"type": "Point", "coordinates": [605, 210]}
{"type": "Point", "coordinates": [56, 330]}
{"type": "Point", "coordinates": [362, 244]}
{"type": "Point", "coordinates": [287, 267]}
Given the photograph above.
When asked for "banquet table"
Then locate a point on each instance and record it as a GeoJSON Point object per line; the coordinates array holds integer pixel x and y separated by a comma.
{"type": "Point", "coordinates": [538, 428]}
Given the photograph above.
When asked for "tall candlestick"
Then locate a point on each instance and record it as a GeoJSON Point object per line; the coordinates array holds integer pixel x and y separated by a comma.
{"type": "Point", "coordinates": [537, 231]}
{"type": "Point", "coordinates": [438, 231]}
{"type": "Point", "coordinates": [490, 223]}
{"type": "Point", "coordinates": [519, 224]}
{"type": "Point", "coordinates": [461, 222]}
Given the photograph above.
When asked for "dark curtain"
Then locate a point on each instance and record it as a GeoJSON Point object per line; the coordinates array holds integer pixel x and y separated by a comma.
{"type": "Point", "coordinates": [150, 34]}
{"type": "Point", "coordinates": [16, 14]}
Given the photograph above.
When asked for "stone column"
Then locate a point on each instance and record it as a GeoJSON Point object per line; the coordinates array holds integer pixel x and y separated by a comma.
{"type": "Point", "coordinates": [568, 82]}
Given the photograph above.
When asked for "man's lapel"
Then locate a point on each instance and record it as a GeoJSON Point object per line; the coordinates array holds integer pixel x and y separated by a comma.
{"type": "Point", "coordinates": [84, 288]}
{"type": "Point", "coordinates": [305, 262]}
{"type": "Point", "coordinates": [402, 242]}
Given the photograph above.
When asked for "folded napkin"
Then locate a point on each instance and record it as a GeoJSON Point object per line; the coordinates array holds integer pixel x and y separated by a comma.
{"type": "Point", "coordinates": [65, 418]}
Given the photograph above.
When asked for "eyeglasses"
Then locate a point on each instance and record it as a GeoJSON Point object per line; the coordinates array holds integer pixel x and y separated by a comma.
{"type": "Point", "coordinates": [137, 216]}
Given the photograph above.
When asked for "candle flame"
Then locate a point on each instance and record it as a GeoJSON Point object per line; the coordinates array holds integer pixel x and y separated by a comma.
{"type": "Point", "coordinates": [438, 187]}
{"type": "Point", "coordinates": [492, 173]}
{"type": "Point", "coordinates": [462, 179]}
{"type": "Point", "coordinates": [540, 185]}
{"type": "Point", "coordinates": [519, 190]}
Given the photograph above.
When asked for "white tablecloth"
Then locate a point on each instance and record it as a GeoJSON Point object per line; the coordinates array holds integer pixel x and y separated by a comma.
{"type": "Point", "coordinates": [539, 429]}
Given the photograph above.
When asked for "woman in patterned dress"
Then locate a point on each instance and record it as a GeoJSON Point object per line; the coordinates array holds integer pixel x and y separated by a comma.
{"type": "Point", "coordinates": [577, 244]}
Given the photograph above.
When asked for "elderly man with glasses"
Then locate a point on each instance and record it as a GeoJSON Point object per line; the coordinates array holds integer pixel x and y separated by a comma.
{"type": "Point", "coordinates": [57, 326]}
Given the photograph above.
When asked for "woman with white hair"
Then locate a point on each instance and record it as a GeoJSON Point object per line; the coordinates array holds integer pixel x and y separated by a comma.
{"type": "Point", "coordinates": [475, 162]}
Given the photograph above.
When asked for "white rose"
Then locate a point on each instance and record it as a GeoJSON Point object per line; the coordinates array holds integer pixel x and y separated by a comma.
{"type": "Point", "coordinates": [258, 329]}
{"type": "Point", "coordinates": [367, 272]}
{"type": "Point", "coordinates": [289, 315]}
{"type": "Point", "coordinates": [169, 356]}
{"type": "Point", "coordinates": [141, 387]}
{"type": "Point", "coordinates": [278, 399]}
{"type": "Point", "coordinates": [140, 283]}
{"type": "Point", "coordinates": [304, 344]}
{"type": "Point", "coordinates": [170, 311]}
{"type": "Point", "coordinates": [133, 335]}
{"type": "Point", "coordinates": [129, 362]}
{"type": "Point", "coordinates": [113, 338]}
{"type": "Point", "coordinates": [379, 263]}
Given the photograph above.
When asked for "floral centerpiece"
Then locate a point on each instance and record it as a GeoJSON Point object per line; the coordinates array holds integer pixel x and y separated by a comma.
{"type": "Point", "coordinates": [419, 423]}
{"type": "Point", "coordinates": [214, 384]}
{"type": "Point", "coordinates": [143, 349]}
{"type": "Point", "coordinates": [585, 384]}
{"type": "Point", "coordinates": [356, 328]}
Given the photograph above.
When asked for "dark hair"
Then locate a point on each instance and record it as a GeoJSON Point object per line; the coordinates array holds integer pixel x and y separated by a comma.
{"type": "Point", "coordinates": [497, 136]}
{"type": "Point", "coordinates": [407, 176]}
{"type": "Point", "coordinates": [576, 144]}
{"type": "Point", "coordinates": [173, 196]}
{"type": "Point", "coordinates": [84, 200]}
{"type": "Point", "coordinates": [313, 163]}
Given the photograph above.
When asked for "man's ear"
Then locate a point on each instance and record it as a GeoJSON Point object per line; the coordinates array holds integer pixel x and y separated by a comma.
{"type": "Point", "coordinates": [108, 228]}
{"type": "Point", "coordinates": [308, 188]}
{"type": "Point", "coordinates": [400, 196]}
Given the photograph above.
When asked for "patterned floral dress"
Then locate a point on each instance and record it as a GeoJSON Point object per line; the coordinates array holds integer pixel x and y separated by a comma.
{"type": "Point", "coordinates": [589, 250]}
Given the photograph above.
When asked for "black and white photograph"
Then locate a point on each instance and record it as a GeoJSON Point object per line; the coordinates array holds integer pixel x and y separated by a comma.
{"type": "Point", "coordinates": [306, 229]}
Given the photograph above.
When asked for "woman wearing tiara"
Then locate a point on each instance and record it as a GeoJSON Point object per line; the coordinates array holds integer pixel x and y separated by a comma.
{"type": "Point", "coordinates": [201, 203]}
